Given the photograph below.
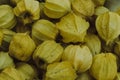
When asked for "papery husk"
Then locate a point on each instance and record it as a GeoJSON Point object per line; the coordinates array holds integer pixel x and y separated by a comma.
{"type": "Point", "coordinates": [108, 26]}
{"type": "Point", "coordinates": [4, 76]}
{"type": "Point", "coordinates": [104, 66]}
{"type": "Point", "coordinates": [27, 10]}
{"type": "Point", "coordinates": [72, 28]}
{"type": "Point", "coordinates": [44, 30]}
{"type": "Point", "coordinates": [79, 56]}
{"type": "Point", "coordinates": [12, 73]}
{"type": "Point", "coordinates": [57, 8]}
{"type": "Point", "coordinates": [27, 71]}
{"type": "Point", "coordinates": [100, 10]}
{"type": "Point", "coordinates": [7, 17]}
{"type": "Point", "coordinates": [5, 60]}
{"type": "Point", "coordinates": [21, 46]}
{"type": "Point", "coordinates": [47, 52]}
{"type": "Point", "coordinates": [60, 71]}
{"type": "Point", "coordinates": [93, 42]}
{"type": "Point", "coordinates": [84, 8]}
{"type": "Point", "coordinates": [7, 36]}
